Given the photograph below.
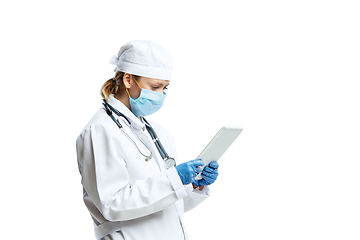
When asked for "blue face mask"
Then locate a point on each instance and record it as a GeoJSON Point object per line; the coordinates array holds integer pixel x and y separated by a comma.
{"type": "Point", "coordinates": [147, 103]}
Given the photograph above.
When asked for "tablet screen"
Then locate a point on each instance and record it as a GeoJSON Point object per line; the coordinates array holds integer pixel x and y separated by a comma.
{"type": "Point", "coordinates": [218, 145]}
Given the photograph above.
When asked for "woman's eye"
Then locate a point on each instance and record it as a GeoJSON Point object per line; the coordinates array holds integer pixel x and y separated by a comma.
{"type": "Point", "coordinates": [155, 88]}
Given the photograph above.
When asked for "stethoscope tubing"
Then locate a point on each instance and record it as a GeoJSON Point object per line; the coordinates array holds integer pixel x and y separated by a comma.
{"type": "Point", "coordinates": [109, 110]}
{"type": "Point", "coordinates": [156, 140]}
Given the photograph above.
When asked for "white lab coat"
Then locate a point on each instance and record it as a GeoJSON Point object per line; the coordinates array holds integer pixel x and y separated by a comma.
{"type": "Point", "coordinates": [127, 197]}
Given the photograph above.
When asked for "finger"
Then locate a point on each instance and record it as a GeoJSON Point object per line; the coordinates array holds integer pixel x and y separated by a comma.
{"type": "Point", "coordinates": [197, 171]}
{"type": "Point", "coordinates": [201, 182]}
{"type": "Point", "coordinates": [197, 163]}
{"type": "Point", "coordinates": [210, 170]}
{"type": "Point", "coordinates": [206, 180]}
{"type": "Point", "coordinates": [210, 175]}
{"type": "Point", "coordinates": [214, 165]}
{"type": "Point", "coordinates": [196, 183]}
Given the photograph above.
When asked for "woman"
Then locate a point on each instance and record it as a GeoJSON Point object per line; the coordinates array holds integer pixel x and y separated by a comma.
{"type": "Point", "coordinates": [133, 189]}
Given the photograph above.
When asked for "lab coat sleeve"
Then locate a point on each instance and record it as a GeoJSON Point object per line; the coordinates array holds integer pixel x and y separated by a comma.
{"type": "Point", "coordinates": [106, 180]}
{"type": "Point", "coordinates": [194, 197]}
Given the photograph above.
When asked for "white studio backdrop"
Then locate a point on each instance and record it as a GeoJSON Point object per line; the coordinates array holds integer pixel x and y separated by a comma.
{"type": "Point", "coordinates": [285, 71]}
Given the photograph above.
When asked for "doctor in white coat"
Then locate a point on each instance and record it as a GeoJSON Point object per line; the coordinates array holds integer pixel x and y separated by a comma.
{"type": "Point", "coordinates": [129, 190]}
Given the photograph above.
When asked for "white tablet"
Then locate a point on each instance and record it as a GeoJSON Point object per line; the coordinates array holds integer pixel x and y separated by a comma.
{"type": "Point", "coordinates": [218, 145]}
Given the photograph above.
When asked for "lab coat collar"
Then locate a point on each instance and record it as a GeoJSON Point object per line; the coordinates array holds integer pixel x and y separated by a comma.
{"type": "Point", "coordinates": [136, 122]}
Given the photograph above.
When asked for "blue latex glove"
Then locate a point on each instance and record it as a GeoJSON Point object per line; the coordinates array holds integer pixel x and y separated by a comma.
{"type": "Point", "coordinates": [189, 170]}
{"type": "Point", "coordinates": [209, 175]}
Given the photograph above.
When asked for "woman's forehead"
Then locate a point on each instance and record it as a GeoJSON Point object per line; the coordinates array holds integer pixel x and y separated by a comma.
{"type": "Point", "coordinates": [157, 81]}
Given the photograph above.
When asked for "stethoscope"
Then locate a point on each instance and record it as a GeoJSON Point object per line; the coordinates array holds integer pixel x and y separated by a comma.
{"type": "Point", "coordinates": [168, 161]}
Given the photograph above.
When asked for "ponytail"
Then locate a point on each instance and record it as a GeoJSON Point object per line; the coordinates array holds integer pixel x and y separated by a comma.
{"type": "Point", "coordinates": [112, 85]}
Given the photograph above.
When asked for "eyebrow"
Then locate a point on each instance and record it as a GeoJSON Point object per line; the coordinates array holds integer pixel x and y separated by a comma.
{"type": "Point", "coordinates": [160, 83]}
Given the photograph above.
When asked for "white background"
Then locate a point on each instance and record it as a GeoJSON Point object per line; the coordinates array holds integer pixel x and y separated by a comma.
{"type": "Point", "coordinates": [285, 71]}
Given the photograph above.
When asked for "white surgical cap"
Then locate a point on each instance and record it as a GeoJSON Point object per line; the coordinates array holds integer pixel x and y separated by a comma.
{"type": "Point", "coordinates": [144, 58]}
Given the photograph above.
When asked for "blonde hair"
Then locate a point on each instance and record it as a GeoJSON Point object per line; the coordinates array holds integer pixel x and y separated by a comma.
{"type": "Point", "coordinates": [113, 85]}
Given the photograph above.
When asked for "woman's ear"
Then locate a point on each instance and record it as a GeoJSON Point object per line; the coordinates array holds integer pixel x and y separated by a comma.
{"type": "Point", "coordinates": [127, 80]}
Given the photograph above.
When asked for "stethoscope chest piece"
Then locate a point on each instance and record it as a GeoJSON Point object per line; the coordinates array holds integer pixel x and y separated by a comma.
{"type": "Point", "coordinates": [169, 162]}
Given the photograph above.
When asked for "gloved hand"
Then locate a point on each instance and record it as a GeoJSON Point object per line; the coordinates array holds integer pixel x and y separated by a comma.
{"type": "Point", "coordinates": [189, 170]}
{"type": "Point", "coordinates": [209, 175]}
